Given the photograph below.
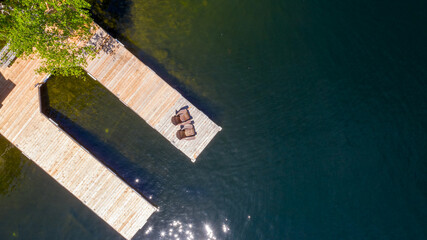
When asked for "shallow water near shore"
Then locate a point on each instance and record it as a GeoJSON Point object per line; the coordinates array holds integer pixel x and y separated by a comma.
{"type": "Point", "coordinates": [324, 118]}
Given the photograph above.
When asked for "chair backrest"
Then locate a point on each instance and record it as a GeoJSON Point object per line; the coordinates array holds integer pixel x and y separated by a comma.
{"type": "Point", "coordinates": [190, 132]}
{"type": "Point", "coordinates": [185, 116]}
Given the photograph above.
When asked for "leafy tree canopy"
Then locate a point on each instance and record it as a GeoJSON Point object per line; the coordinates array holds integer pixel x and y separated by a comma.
{"type": "Point", "coordinates": [54, 30]}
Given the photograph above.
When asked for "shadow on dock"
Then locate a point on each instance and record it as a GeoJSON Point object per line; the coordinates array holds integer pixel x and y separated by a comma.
{"type": "Point", "coordinates": [6, 86]}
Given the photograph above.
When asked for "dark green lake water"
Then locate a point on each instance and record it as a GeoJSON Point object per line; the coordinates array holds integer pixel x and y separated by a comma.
{"type": "Point", "coordinates": [323, 107]}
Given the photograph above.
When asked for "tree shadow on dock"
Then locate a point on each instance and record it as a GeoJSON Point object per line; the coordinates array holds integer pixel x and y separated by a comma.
{"type": "Point", "coordinates": [104, 42]}
{"type": "Point", "coordinates": [6, 86]}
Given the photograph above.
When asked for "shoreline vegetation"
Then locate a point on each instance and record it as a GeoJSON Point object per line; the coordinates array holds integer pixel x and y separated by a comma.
{"type": "Point", "coordinates": [56, 32]}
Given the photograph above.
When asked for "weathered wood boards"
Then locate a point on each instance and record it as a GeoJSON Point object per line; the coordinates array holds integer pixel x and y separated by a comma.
{"type": "Point", "coordinates": [137, 86]}
{"type": "Point", "coordinates": [6, 56]}
{"type": "Point", "coordinates": [79, 172]}
{"type": "Point", "coordinates": [142, 90]}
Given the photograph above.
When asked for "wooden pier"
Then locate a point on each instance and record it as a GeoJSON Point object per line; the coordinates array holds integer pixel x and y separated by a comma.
{"type": "Point", "coordinates": [55, 152]}
{"type": "Point", "coordinates": [142, 90]}
{"type": "Point", "coordinates": [138, 87]}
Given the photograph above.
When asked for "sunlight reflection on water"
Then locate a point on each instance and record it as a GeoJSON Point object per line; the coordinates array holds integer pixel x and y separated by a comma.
{"type": "Point", "coordinates": [209, 232]}
{"type": "Point", "coordinates": [178, 230]}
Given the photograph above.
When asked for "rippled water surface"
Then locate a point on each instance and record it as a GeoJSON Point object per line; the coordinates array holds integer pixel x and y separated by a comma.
{"type": "Point", "coordinates": [324, 117]}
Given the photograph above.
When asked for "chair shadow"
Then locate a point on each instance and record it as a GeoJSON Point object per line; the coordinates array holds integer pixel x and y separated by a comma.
{"type": "Point", "coordinates": [6, 86]}
{"type": "Point", "coordinates": [185, 107]}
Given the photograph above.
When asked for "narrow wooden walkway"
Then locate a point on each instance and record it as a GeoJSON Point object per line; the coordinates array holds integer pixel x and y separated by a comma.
{"type": "Point", "coordinates": [56, 153]}
{"type": "Point", "coordinates": [6, 57]}
{"type": "Point", "coordinates": [142, 90]}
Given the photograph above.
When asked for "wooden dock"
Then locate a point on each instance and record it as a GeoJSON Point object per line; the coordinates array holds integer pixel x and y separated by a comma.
{"type": "Point", "coordinates": [138, 87]}
{"type": "Point", "coordinates": [142, 90]}
{"type": "Point", "coordinates": [56, 153]}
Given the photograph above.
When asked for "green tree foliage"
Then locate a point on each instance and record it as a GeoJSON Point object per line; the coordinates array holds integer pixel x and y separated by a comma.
{"type": "Point", "coordinates": [54, 30]}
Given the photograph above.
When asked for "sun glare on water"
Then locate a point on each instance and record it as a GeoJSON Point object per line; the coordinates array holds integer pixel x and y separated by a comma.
{"type": "Point", "coordinates": [187, 231]}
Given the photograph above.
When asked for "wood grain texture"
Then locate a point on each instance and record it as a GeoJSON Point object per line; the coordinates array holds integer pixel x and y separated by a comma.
{"type": "Point", "coordinates": [56, 153]}
{"type": "Point", "coordinates": [137, 86]}
{"type": "Point", "coordinates": [149, 96]}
